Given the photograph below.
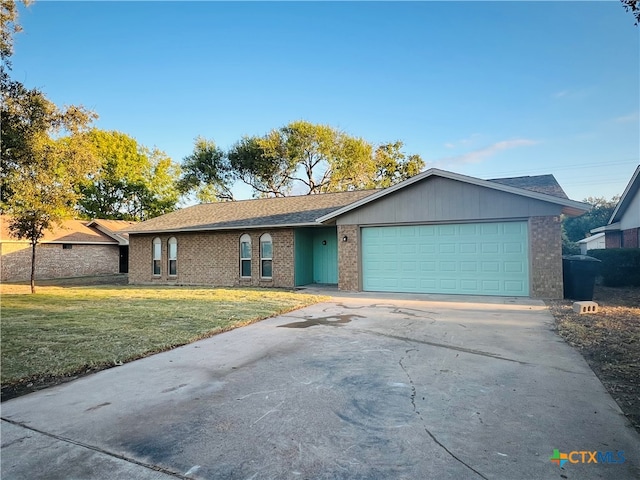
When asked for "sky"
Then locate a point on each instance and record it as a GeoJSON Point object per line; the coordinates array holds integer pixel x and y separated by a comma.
{"type": "Point", "coordinates": [487, 89]}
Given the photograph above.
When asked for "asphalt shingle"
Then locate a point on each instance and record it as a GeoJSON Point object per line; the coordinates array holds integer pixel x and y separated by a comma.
{"type": "Point", "coordinates": [272, 212]}
{"type": "Point", "coordinates": [536, 183]}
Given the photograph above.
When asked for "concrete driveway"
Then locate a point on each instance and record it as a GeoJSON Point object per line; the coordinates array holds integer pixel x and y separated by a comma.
{"type": "Point", "coordinates": [396, 386]}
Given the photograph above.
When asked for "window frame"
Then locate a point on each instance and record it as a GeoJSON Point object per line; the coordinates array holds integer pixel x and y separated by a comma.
{"type": "Point", "coordinates": [245, 238]}
{"type": "Point", "coordinates": [173, 241]}
{"type": "Point", "coordinates": [265, 238]}
{"type": "Point", "coordinates": [156, 248]}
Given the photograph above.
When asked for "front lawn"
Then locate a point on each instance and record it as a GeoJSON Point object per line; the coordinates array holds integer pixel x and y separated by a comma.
{"type": "Point", "coordinates": [60, 333]}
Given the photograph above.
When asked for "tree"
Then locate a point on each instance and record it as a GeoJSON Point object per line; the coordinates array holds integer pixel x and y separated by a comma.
{"type": "Point", "coordinates": [318, 158]}
{"type": "Point", "coordinates": [577, 228]}
{"type": "Point", "coordinates": [9, 26]}
{"type": "Point", "coordinates": [206, 172]}
{"type": "Point", "coordinates": [39, 169]}
{"type": "Point", "coordinates": [262, 163]}
{"type": "Point", "coordinates": [634, 7]}
{"type": "Point", "coordinates": [326, 159]}
{"type": "Point", "coordinates": [393, 166]}
{"type": "Point", "coordinates": [131, 182]}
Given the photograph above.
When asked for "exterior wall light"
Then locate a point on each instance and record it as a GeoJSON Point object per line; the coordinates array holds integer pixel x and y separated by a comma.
{"type": "Point", "coordinates": [345, 238]}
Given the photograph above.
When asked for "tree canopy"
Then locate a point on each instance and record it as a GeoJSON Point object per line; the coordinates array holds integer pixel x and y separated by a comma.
{"type": "Point", "coordinates": [9, 26]}
{"type": "Point", "coordinates": [206, 172]}
{"type": "Point", "coordinates": [577, 228]}
{"type": "Point", "coordinates": [632, 6]}
{"type": "Point", "coordinates": [131, 182]}
{"type": "Point", "coordinates": [302, 157]}
{"type": "Point", "coordinates": [39, 167]}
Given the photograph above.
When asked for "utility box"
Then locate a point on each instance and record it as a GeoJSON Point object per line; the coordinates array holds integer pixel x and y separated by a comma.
{"type": "Point", "coordinates": [579, 274]}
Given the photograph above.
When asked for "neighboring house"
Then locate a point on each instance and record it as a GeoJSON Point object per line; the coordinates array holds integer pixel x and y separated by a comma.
{"type": "Point", "coordinates": [623, 228]}
{"type": "Point", "coordinates": [591, 243]}
{"type": "Point", "coordinates": [76, 248]}
{"type": "Point", "coordinates": [437, 232]}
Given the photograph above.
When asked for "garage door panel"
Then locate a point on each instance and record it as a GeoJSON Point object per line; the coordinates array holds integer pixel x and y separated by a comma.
{"type": "Point", "coordinates": [469, 285]}
{"type": "Point", "coordinates": [514, 267]}
{"type": "Point", "coordinates": [491, 286]}
{"type": "Point", "coordinates": [446, 230]}
{"type": "Point", "coordinates": [483, 259]}
{"type": "Point", "coordinates": [468, 266]}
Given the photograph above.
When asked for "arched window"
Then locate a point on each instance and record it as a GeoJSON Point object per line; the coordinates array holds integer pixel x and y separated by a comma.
{"type": "Point", "coordinates": [157, 256]}
{"type": "Point", "coordinates": [266, 256]}
{"type": "Point", "coordinates": [172, 245]}
{"type": "Point", "coordinates": [245, 256]}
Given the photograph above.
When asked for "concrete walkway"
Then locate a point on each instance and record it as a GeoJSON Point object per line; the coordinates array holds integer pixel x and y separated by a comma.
{"type": "Point", "coordinates": [362, 387]}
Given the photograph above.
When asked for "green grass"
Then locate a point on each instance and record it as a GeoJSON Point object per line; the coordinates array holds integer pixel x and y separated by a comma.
{"type": "Point", "coordinates": [61, 332]}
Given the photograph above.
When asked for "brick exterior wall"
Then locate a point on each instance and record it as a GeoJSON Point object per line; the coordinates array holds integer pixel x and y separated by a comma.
{"type": "Point", "coordinates": [349, 258]}
{"type": "Point", "coordinates": [545, 257]}
{"type": "Point", "coordinates": [212, 258]}
{"type": "Point", "coordinates": [52, 261]}
{"type": "Point", "coordinates": [630, 238]}
{"type": "Point", "coordinates": [612, 239]}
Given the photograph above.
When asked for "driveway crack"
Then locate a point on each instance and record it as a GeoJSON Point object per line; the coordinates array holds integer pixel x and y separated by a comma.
{"type": "Point", "coordinates": [60, 438]}
{"type": "Point", "coordinates": [424, 424]}
{"type": "Point", "coordinates": [443, 345]}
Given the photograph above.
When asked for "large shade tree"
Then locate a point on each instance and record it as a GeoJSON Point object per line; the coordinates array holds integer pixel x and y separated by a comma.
{"type": "Point", "coordinates": [302, 157]}
{"type": "Point", "coordinates": [43, 151]}
{"type": "Point", "coordinates": [131, 182]}
{"type": "Point", "coordinates": [44, 154]}
{"type": "Point", "coordinates": [577, 228]}
{"type": "Point", "coordinates": [206, 173]}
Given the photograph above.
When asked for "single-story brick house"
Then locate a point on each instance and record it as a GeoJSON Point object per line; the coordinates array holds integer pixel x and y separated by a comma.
{"type": "Point", "coordinates": [437, 232]}
{"type": "Point", "coordinates": [76, 248]}
{"type": "Point", "coordinates": [623, 228]}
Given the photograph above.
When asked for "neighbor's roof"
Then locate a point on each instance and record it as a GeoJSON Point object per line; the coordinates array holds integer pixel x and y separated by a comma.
{"type": "Point", "coordinates": [537, 183]}
{"type": "Point", "coordinates": [570, 207]}
{"type": "Point", "coordinates": [591, 238]}
{"type": "Point", "coordinates": [116, 229]}
{"type": "Point", "coordinates": [625, 200]}
{"type": "Point", "coordinates": [71, 231]}
{"type": "Point", "coordinates": [265, 212]}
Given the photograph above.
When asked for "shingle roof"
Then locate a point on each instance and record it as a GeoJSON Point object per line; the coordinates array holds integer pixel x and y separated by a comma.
{"type": "Point", "coordinates": [537, 183]}
{"type": "Point", "coordinates": [117, 227]}
{"type": "Point", "coordinates": [271, 212]}
{"type": "Point", "coordinates": [71, 231]}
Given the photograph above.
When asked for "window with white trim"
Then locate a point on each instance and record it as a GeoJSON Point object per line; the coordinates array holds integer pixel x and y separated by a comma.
{"type": "Point", "coordinates": [157, 256]}
{"type": "Point", "coordinates": [172, 249]}
{"type": "Point", "coordinates": [245, 256]}
{"type": "Point", "coordinates": [266, 256]}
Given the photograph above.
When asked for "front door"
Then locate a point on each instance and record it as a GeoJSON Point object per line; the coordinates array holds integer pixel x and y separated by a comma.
{"type": "Point", "coordinates": [124, 259]}
{"type": "Point", "coordinates": [325, 256]}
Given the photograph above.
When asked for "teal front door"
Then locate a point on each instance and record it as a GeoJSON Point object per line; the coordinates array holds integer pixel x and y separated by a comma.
{"type": "Point", "coordinates": [474, 258]}
{"type": "Point", "coordinates": [325, 255]}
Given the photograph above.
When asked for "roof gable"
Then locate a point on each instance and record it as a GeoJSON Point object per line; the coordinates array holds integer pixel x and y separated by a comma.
{"type": "Point", "coordinates": [569, 207]}
{"type": "Point", "coordinates": [625, 200]}
{"type": "Point", "coordinates": [116, 229]}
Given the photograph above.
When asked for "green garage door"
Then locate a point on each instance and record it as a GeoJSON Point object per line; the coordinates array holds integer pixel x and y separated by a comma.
{"type": "Point", "coordinates": [474, 259]}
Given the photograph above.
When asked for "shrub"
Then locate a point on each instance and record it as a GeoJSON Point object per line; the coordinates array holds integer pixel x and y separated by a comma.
{"type": "Point", "coordinates": [620, 266]}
